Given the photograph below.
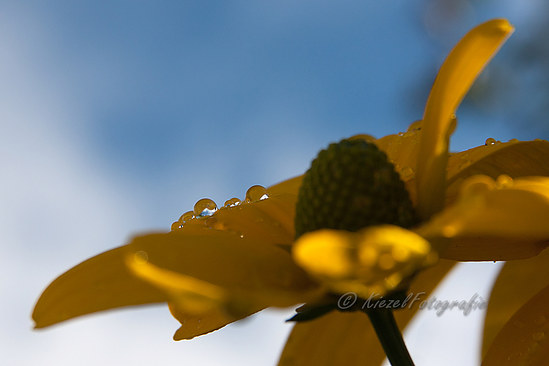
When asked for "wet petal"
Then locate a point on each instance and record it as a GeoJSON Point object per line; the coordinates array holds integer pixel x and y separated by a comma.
{"type": "Point", "coordinates": [514, 158]}
{"type": "Point", "coordinates": [198, 269]}
{"type": "Point", "coordinates": [268, 221]}
{"type": "Point", "coordinates": [517, 282]}
{"type": "Point", "coordinates": [374, 260]}
{"type": "Point", "coordinates": [493, 220]}
{"type": "Point", "coordinates": [348, 338]}
{"type": "Point", "coordinates": [457, 74]}
{"type": "Point", "coordinates": [100, 283]}
{"type": "Point", "coordinates": [524, 340]}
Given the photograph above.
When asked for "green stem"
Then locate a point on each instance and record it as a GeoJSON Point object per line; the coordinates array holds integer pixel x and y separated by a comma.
{"type": "Point", "coordinates": [390, 337]}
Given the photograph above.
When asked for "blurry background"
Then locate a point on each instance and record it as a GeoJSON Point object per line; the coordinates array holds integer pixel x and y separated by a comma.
{"type": "Point", "coordinates": [115, 119]}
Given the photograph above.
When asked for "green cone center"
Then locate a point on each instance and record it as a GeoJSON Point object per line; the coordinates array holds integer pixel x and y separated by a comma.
{"type": "Point", "coordinates": [349, 186]}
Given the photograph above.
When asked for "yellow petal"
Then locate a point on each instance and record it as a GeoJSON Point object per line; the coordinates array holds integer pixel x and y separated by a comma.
{"type": "Point", "coordinates": [402, 150]}
{"type": "Point", "coordinates": [457, 74]}
{"type": "Point", "coordinates": [373, 261]}
{"type": "Point", "coordinates": [100, 283]}
{"type": "Point", "coordinates": [493, 220]}
{"type": "Point", "coordinates": [221, 266]}
{"type": "Point", "coordinates": [524, 340]}
{"type": "Point", "coordinates": [514, 158]}
{"type": "Point", "coordinates": [517, 282]}
{"type": "Point", "coordinates": [268, 221]}
{"type": "Point", "coordinates": [193, 325]}
{"type": "Point", "coordinates": [348, 338]}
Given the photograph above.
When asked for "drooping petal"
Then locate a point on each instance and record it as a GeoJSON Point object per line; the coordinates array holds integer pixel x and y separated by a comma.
{"type": "Point", "coordinates": [373, 261]}
{"type": "Point", "coordinates": [348, 338]}
{"type": "Point", "coordinates": [100, 283]}
{"type": "Point", "coordinates": [268, 221]}
{"type": "Point", "coordinates": [198, 269]}
{"type": "Point", "coordinates": [524, 340]}
{"type": "Point", "coordinates": [493, 220]}
{"type": "Point", "coordinates": [457, 74]}
{"type": "Point", "coordinates": [517, 282]}
{"type": "Point", "coordinates": [193, 325]}
{"type": "Point", "coordinates": [514, 158]}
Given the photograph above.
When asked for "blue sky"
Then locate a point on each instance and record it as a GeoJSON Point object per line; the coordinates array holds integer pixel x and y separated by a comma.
{"type": "Point", "coordinates": [116, 118]}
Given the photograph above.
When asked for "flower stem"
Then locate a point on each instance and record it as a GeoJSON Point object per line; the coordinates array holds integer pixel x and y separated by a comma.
{"type": "Point", "coordinates": [390, 337]}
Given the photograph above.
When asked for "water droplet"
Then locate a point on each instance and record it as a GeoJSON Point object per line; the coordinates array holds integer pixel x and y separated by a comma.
{"type": "Point", "coordinates": [241, 236]}
{"type": "Point", "coordinates": [401, 133]}
{"type": "Point", "coordinates": [204, 207]}
{"type": "Point", "coordinates": [256, 193]}
{"type": "Point", "coordinates": [232, 202]}
{"type": "Point", "coordinates": [186, 217]}
{"type": "Point", "coordinates": [415, 126]}
{"type": "Point", "coordinates": [514, 140]}
{"type": "Point", "coordinates": [176, 225]}
{"type": "Point", "coordinates": [490, 141]}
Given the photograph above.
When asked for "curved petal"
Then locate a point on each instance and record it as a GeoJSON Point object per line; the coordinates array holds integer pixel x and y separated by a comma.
{"type": "Point", "coordinates": [514, 158]}
{"type": "Point", "coordinates": [457, 74]}
{"type": "Point", "coordinates": [201, 269]}
{"type": "Point", "coordinates": [269, 221]}
{"type": "Point", "coordinates": [99, 283]}
{"type": "Point", "coordinates": [493, 220]}
{"type": "Point", "coordinates": [517, 282]}
{"type": "Point", "coordinates": [348, 338]}
{"type": "Point", "coordinates": [193, 325]}
{"type": "Point", "coordinates": [372, 261]}
{"type": "Point", "coordinates": [524, 340]}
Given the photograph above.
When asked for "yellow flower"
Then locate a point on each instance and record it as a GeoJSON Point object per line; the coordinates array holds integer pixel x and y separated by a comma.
{"type": "Point", "coordinates": [219, 265]}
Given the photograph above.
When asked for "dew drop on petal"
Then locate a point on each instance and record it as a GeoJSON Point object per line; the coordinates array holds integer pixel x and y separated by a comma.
{"type": "Point", "coordinates": [256, 193]}
{"type": "Point", "coordinates": [204, 207]}
{"type": "Point", "coordinates": [415, 126]}
{"type": "Point", "coordinates": [186, 217]}
{"type": "Point", "coordinates": [232, 202]}
{"type": "Point", "coordinates": [176, 225]}
{"type": "Point", "coordinates": [490, 141]}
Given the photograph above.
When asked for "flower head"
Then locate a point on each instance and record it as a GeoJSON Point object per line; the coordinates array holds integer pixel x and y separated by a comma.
{"type": "Point", "coordinates": [369, 217]}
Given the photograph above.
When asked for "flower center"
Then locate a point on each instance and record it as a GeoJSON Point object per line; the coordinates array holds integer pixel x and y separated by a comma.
{"type": "Point", "coordinates": [349, 186]}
